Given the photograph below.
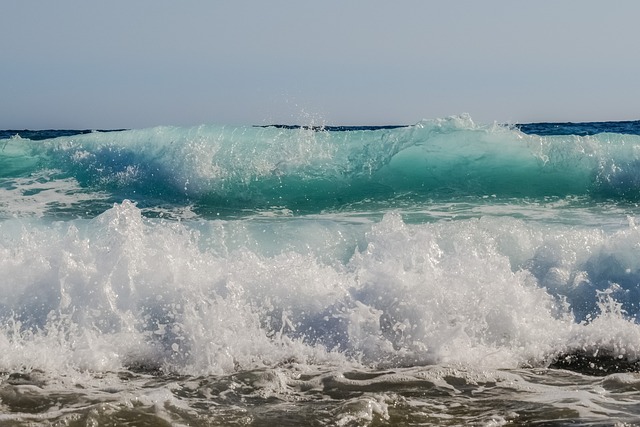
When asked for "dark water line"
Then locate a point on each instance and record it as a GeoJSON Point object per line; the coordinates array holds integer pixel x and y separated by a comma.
{"type": "Point", "coordinates": [39, 135]}
{"type": "Point", "coordinates": [630, 127]}
{"type": "Point", "coordinates": [581, 128]}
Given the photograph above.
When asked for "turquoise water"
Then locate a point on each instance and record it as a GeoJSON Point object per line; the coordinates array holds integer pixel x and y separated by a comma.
{"type": "Point", "coordinates": [446, 272]}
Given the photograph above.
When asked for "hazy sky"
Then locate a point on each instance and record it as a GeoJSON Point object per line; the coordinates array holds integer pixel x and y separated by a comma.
{"type": "Point", "coordinates": [139, 63]}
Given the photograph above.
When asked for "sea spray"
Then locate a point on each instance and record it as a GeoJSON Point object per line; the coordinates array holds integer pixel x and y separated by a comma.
{"type": "Point", "coordinates": [192, 298]}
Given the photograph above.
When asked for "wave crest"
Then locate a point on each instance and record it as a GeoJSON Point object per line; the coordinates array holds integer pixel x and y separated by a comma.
{"type": "Point", "coordinates": [308, 170]}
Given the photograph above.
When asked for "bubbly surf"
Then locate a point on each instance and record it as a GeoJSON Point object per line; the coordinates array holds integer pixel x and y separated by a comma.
{"type": "Point", "coordinates": [434, 273]}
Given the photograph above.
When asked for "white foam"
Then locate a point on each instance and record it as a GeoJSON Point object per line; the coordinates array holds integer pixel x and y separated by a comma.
{"type": "Point", "coordinates": [207, 297]}
{"type": "Point", "coordinates": [42, 193]}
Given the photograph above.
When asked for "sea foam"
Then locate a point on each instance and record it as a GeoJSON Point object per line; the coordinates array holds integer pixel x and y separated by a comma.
{"type": "Point", "coordinates": [203, 297]}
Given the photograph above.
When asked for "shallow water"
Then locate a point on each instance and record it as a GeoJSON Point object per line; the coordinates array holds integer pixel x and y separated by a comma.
{"type": "Point", "coordinates": [296, 395]}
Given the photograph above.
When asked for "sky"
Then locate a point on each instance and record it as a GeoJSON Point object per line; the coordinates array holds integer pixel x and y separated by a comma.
{"type": "Point", "coordinates": [134, 64]}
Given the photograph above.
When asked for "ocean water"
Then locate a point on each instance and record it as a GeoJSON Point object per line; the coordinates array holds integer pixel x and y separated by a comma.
{"type": "Point", "coordinates": [443, 273]}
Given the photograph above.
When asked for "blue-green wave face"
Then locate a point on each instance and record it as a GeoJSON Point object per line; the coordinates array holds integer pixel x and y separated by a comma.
{"type": "Point", "coordinates": [232, 169]}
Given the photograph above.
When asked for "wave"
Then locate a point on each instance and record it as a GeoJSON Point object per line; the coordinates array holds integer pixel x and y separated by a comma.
{"type": "Point", "coordinates": [219, 167]}
{"type": "Point", "coordinates": [212, 297]}
{"type": "Point", "coordinates": [442, 258]}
